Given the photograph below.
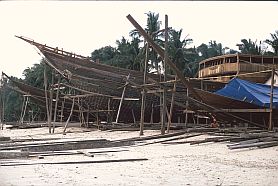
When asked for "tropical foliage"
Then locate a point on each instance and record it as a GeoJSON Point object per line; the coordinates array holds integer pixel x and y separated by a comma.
{"type": "Point", "coordinates": [273, 42]}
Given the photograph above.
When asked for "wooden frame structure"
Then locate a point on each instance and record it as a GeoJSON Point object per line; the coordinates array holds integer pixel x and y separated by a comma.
{"type": "Point", "coordinates": [97, 92]}
{"type": "Point", "coordinates": [256, 68]}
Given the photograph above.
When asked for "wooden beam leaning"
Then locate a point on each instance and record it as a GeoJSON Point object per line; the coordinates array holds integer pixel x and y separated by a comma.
{"type": "Point", "coordinates": [197, 101]}
{"type": "Point", "coordinates": [122, 98]}
{"type": "Point", "coordinates": [66, 125]}
{"type": "Point", "coordinates": [160, 51]}
{"type": "Point", "coordinates": [46, 100]}
{"type": "Point", "coordinates": [56, 104]}
{"type": "Point", "coordinates": [51, 97]}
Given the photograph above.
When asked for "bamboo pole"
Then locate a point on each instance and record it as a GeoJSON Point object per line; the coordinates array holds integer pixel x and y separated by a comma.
{"type": "Point", "coordinates": [66, 125]}
{"type": "Point", "coordinates": [56, 104]}
{"type": "Point", "coordinates": [87, 118]}
{"type": "Point", "coordinates": [51, 97]}
{"type": "Point", "coordinates": [80, 114]}
{"type": "Point", "coordinates": [122, 98]}
{"type": "Point", "coordinates": [22, 109]}
{"type": "Point", "coordinates": [62, 110]}
{"type": "Point", "coordinates": [1, 116]}
{"type": "Point", "coordinates": [25, 107]}
{"type": "Point", "coordinates": [109, 112]}
{"type": "Point", "coordinates": [172, 105]}
{"type": "Point", "coordinates": [186, 110]}
{"type": "Point", "coordinates": [163, 119]}
{"type": "Point", "coordinates": [98, 120]}
{"type": "Point", "coordinates": [133, 115]}
{"type": "Point", "coordinates": [151, 121]}
{"type": "Point", "coordinates": [143, 103]}
{"type": "Point", "coordinates": [46, 100]}
{"type": "Point", "coordinates": [270, 127]}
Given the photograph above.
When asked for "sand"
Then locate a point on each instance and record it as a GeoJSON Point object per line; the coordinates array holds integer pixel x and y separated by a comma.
{"type": "Point", "coordinates": [183, 164]}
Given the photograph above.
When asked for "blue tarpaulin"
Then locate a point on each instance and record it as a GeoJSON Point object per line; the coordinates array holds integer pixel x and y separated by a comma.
{"type": "Point", "coordinates": [255, 93]}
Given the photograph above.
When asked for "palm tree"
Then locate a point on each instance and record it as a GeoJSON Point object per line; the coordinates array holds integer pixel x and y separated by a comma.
{"type": "Point", "coordinates": [176, 48]}
{"type": "Point", "coordinates": [126, 54]}
{"type": "Point", "coordinates": [274, 42]}
{"type": "Point", "coordinates": [153, 29]}
{"type": "Point", "coordinates": [249, 47]}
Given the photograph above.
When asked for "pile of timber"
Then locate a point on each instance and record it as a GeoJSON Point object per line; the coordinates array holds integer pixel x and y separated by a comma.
{"type": "Point", "coordinates": [239, 140]}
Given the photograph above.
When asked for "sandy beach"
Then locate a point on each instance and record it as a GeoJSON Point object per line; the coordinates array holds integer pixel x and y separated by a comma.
{"type": "Point", "coordinates": [166, 164]}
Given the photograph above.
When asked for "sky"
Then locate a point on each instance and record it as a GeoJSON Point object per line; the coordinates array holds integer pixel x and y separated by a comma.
{"type": "Point", "coordinates": [82, 27]}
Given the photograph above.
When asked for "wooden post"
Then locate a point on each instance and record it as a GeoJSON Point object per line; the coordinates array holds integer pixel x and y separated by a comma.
{"type": "Point", "coordinates": [79, 108]}
{"type": "Point", "coordinates": [97, 120]}
{"type": "Point", "coordinates": [87, 118]}
{"type": "Point", "coordinates": [133, 115]}
{"type": "Point", "coordinates": [1, 100]}
{"type": "Point", "coordinates": [56, 103]}
{"type": "Point", "coordinates": [151, 121]}
{"type": "Point", "coordinates": [142, 118]}
{"type": "Point", "coordinates": [186, 110]}
{"type": "Point", "coordinates": [66, 125]}
{"type": "Point", "coordinates": [172, 105]}
{"type": "Point", "coordinates": [122, 98]}
{"type": "Point", "coordinates": [164, 89]}
{"type": "Point", "coordinates": [270, 127]}
{"type": "Point", "coordinates": [22, 109]}
{"type": "Point", "coordinates": [46, 99]}
{"type": "Point", "coordinates": [51, 97]}
{"type": "Point", "coordinates": [238, 65]}
{"type": "Point", "coordinates": [109, 112]}
{"type": "Point", "coordinates": [62, 111]}
{"type": "Point", "coordinates": [25, 107]}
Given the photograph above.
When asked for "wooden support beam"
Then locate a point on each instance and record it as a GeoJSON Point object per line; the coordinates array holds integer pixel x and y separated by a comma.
{"type": "Point", "coordinates": [66, 125]}
{"type": "Point", "coordinates": [270, 126]}
{"type": "Point", "coordinates": [56, 104]}
{"type": "Point", "coordinates": [142, 118]}
{"type": "Point", "coordinates": [97, 94]}
{"type": "Point", "coordinates": [122, 98]}
{"type": "Point", "coordinates": [51, 96]}
{"type": "Point", "coordinates": [163, 118]}
{"type": "Point", "coordinates": [109, 119]}
{"type": "Point", "coordinates": [22, 109]}
{"type": "Point", "coordinates": [171, 107]}
{"type": "Point", "coordinates": [62, 110]}
{"type": "Point", "coordinates": [240, 110]}
{"type": "Point", "coordinates": [133, 115]}
{"type": "Point", "coordinates": [46, 100]}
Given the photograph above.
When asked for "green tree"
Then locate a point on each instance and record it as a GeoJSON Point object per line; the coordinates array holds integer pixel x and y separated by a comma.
{"type": "Point", "coordinates": [273, 42]}
{"type": "Point", "coordinates": [126, 54]}
{"type": "Point", "coordinates": [34, 76]}
{"type": "Point", "coordinates": [103, 54]}
{"type": "Point", "coordinates": [153, 29]}
{"type": "Point", "coordinates": [249, 47]}
{"type": "Point", "coordinates": [10, 102]}
{"type": "Point", "coordinates": [186, 59]}
{"type": "Point", "coordinates": [211, 50]}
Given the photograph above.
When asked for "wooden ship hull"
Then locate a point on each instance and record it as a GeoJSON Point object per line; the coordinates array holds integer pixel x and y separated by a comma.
{"type": "Point", "coordinates": [100, 88]}
{"type": "Point", "coordinates": [114, 94]}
